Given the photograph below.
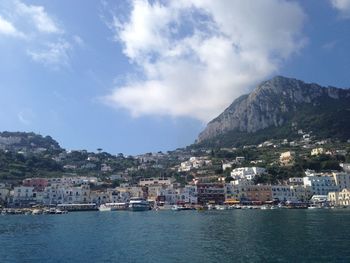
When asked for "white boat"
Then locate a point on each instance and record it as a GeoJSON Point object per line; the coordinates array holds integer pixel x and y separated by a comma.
{"type": "Point", "coordinates": [264, 207]}
{"type": "Point", "coordinates": [315, 206]}
{"type": "Point", "coordinates": [139, 204]}
{"type": "Point", "coordinates": [104, 208]}
{"type": "Point", "coordinates": [112, 207]}
{"type": "Point", "coordinates": [220, 207]}
{"type": "Point", "coordinates": [180, 208]}
{"type": "Point", "coordinates": [37, 212]}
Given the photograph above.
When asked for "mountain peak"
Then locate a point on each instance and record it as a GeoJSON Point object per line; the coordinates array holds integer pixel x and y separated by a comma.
{"type": "Point", "coordinates": [273, 103]}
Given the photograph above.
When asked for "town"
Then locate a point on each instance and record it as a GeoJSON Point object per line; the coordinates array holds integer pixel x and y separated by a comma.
{"type": "Point", "coordinates": [302, 173]}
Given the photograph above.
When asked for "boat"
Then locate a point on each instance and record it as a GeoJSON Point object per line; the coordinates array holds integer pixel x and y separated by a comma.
{"type": "Point", "coordinates": [181, 208]}
{"type": "Point", "coordinates": [112, 207]}
{"type": "Point", "coordinates": [138, 204]}
{"type": "Point", "coordinates": [315, 206]}
{"type": "Point", "coordinates": [37, 212]}
{"type": "Point", "coordinates": [104, 208]}
{"type": "Point", "coordinates": [220, 207]}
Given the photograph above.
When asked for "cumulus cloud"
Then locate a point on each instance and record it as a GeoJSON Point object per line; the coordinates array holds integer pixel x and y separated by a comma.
{"type": "Point", "coordinates": [343, 6]}
{"type": "Point", "coordinates": [194, 57]}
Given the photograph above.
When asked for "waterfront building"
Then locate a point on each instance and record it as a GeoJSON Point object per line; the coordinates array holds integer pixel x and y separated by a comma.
{"type": "Point", "coordinates": [300, 193]}
{"type": "Point", "coordinates": [282, 193]}
{"type": "Point", "coordinates": [236, 189]}
{"type": "Point", "coordinates": [60, 193]}
{"type": "Point", "coordinates": [213, 193]}
{"type": "Point", "coordinates": [341, 198]}
{"type": "Point", "coordinates": [133, 191]}
{"type": "Point", "coordinates": [99, 197]}
{"type": "Point", "coordinates": [171, 195]}
{"type": "Point", "coordinates": [23, 196]}
{"type": "Point", "coordinates": [261, 193]}
{"type": "Point", "coordinates": [320, 184]}
{"type": "Point", "coordinates": [342, 180]}
{"type": "Point", "coordinates": [154, 191]}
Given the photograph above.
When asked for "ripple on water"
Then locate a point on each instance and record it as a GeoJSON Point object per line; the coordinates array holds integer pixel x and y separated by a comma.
{"type": "Point", "coordinates": [186, 236]}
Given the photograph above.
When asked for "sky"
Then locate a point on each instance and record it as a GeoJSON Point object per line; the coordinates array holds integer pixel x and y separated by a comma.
{"type": "Point", "coordinates": [139, 76]}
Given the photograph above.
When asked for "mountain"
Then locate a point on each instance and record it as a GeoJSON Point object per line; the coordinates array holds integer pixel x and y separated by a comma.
{"type": "Point", "coordinates": [27, 142]}
{"type": "Point", "coordinates": [277, 108]}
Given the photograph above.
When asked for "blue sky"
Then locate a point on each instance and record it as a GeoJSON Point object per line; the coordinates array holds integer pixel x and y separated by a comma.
{"type": "Point", "coordinates": [143, 76]}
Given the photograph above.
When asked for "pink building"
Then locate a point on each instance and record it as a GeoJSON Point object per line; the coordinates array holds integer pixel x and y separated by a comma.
{"type": "Point", "coordinates": [39, 184]}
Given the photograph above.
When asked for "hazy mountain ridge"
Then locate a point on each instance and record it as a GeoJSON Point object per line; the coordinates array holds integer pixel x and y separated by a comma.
{"type": "Point", "coordinates": [279, 102]}
{"type": "Point", "coordinates": [27, 141]}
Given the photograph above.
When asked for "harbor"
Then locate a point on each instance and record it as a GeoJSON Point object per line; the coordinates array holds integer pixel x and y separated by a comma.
{"type": "Point", "coordinates": [171, 236]}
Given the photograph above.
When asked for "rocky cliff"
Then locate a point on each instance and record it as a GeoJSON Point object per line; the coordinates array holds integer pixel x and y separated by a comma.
{"type": "Point", "coordinates": [277, 102]}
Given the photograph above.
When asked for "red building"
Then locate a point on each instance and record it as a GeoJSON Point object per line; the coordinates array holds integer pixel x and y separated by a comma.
{"type": "Point", "coordinates": [39, 184]}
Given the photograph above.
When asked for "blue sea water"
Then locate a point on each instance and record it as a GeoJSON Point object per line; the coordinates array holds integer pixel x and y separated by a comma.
{"type": "Point", "coordinates": [178, 236]}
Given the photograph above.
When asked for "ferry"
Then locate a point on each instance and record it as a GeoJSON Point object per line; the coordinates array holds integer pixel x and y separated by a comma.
{"type": "Point", "coordinates": [139, 204]}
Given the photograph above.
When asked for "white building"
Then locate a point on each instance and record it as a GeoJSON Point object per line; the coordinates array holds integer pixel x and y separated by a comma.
{"type": "Point", "coordinates": [64, 194]}
{"type": "Point", "coordinates": [23, 195]}
{"type": "Point", "coordinates": [346, 167]}
{"type": "Point", "coordinates": [296, 180]}
{"type": "Point", "coordinates": [247, 172]}
{"type": "Point", "coordinates": [342, 180]}
{"type": "Point", "coordinates": [227, 166]}
{"type": "Point", "coordinates": [320, 185]}
{"type": "Point", "coordinates": [155, 181]}
{"type": "Point", "coordinates": [282, 193]}
{"type": "Point", "coordinates": [236, 189]}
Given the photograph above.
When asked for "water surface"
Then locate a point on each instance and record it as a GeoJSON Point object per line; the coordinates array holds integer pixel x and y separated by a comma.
{"type": "Point", "coordinates": [178, 236]}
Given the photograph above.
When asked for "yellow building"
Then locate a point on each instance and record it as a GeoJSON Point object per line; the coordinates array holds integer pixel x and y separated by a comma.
{"type": "Point", "coordinates": [287, 158]}
{"type": "Point", "coordinates": [341, 198]}
{"type": "Point", "coordinates": [317, 151]}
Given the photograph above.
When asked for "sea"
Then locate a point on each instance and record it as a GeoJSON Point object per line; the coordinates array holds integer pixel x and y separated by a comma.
{"type": "Point", "coordinates": [285, 235]}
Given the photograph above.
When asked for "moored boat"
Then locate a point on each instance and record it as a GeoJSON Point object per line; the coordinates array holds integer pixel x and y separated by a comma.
{"type": "Point", "coordinates": [138, 204]}
{"type": "Point", "coordinates": [112, 207]}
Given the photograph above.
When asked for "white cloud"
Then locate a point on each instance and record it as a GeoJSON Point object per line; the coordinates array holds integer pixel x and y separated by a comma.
{"type": "Point", "coordinates": [54, 55]}
{"type": "Point", "coordinates": [7, 28]}
{"type": "Point", "coordinates": [197, 56]}
{"type": "Point", "coordinates": [343, 6]}
{"type": "Point", "coordinates": [41, 20]}
{"type": "Point", "coordinates": [43, 37]}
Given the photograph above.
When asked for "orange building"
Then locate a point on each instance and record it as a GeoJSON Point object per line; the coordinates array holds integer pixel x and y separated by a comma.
{"type": "Point", "coordinates": [260, 193]}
